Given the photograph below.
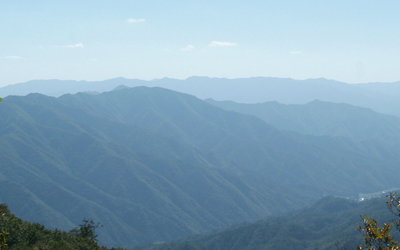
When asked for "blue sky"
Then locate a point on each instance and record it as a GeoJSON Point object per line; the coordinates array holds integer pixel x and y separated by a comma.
{"type": "Point", "coordinates": [351, 41]}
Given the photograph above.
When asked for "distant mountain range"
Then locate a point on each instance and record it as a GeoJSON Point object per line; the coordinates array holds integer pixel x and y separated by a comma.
{"type": "Point", "coordinates": [152, 164]}
{"type": "Point", "coordinates": [381, 97]}
{"type": "Point", "coordinates": [323, 118]}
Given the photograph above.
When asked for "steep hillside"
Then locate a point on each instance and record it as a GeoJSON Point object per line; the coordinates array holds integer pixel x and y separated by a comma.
{"type": "Point", "coordinates": [152, 164]}
{"type": "Point", "coordinates": [60, 165]}
{"type": "Point", "coordinates": [313, 164]}
{"type": "Point", "coordinates": [328, 224]}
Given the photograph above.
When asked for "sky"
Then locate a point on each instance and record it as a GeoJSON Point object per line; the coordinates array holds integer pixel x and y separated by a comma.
{"type": "Point", "coordinates": [355, 41]}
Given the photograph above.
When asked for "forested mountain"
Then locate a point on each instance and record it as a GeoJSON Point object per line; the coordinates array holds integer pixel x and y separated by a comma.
{"type": "Point", "coordinates": [323, 118]}
{"type": "Point", "coordinates": [60, 165]}
{"type": "Point", "coordinates": [381, 97]}
{"type": "Point", "coordinates": [293, 159]}
{"type": "Point", "coordinates": [152, 164]}
{"type": "Point", "coordinates": [330, 223]}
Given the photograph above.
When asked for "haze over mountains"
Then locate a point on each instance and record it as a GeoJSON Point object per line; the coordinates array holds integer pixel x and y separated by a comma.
{"type": "Point", "coordinates": [323, 118]}
{"type": "Point", "coordinates": [381, 97]}
{"type": "Point", "coordinates": [327, 224]}
{"type": "Point", "coordinates": [152, 164]}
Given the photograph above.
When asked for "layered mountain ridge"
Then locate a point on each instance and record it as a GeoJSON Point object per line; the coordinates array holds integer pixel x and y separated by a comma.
{"type": "Point", "coordinates": [381, 97]}
{"type": "Point", "coordinates": [152, 164]}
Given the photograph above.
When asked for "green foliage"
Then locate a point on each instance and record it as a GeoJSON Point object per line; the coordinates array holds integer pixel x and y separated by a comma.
{"type": "Point", "coordinates": [378, 237]}
{"type": "Point", "coordinates": [4, 233]}
{"type": "Point", "coordinates": [3, 240]}
{"type": "Point", "coordinates": [19, 234]}
{"type": "Point", "coordinates": [86, 232]}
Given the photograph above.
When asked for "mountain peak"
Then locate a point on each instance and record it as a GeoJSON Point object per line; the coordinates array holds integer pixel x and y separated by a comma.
{"type": "Point", "coordinates": [120, 87]}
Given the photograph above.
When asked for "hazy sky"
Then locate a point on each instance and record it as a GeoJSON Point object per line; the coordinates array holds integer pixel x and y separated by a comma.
{"type": "Point", "coordinates": [352, 41]}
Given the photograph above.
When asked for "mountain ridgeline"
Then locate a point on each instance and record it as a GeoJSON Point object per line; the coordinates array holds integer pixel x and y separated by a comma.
{"type": "Point", "coordinates": [381, 97]}
{"type": "Point", "coordinates": [151, 164]}
{"type": "Point", "coordinates": [323, 118]}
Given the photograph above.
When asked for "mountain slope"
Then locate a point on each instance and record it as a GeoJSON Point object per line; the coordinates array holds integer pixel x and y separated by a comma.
{"type": "Point", "coordinates": [330, 163]}
{"type": "Point", "coordinates": [323, 118]}
{"type": "Point", "coordinates": [322, 225]}
{"type": "Point", "coordinates": [60, 165]}
{"type": "Point", "coordinates": [152, 164]}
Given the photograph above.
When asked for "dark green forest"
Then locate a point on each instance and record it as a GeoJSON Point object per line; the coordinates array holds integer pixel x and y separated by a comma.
{"type": "Point", "coordinates": [18, 234]}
